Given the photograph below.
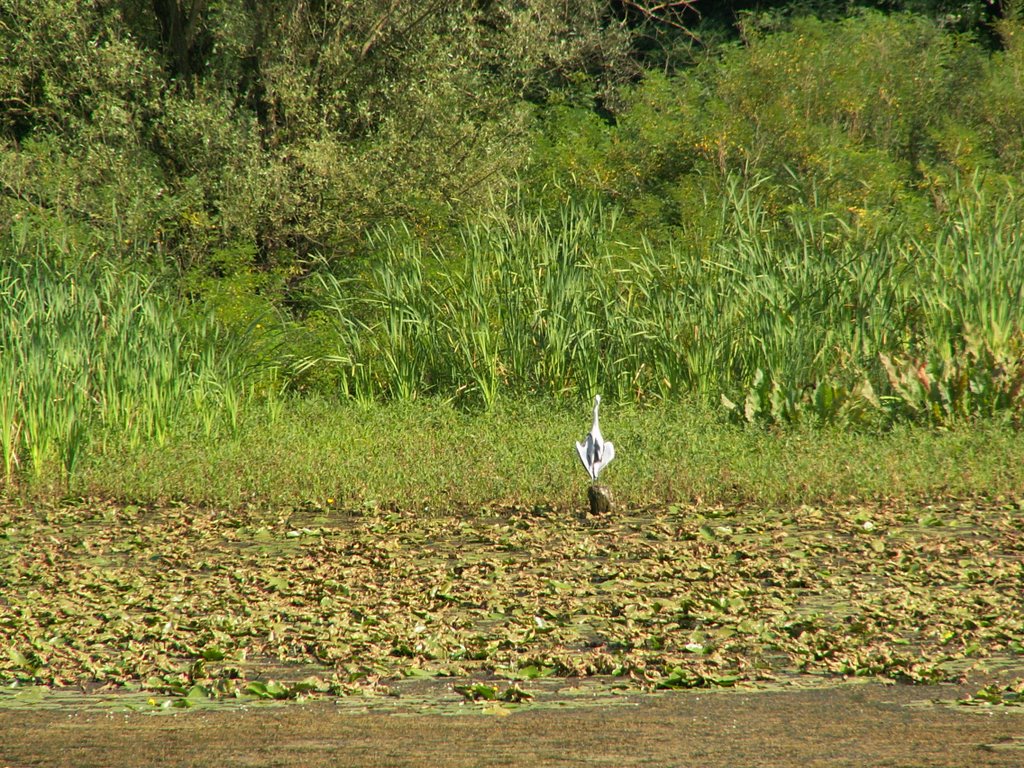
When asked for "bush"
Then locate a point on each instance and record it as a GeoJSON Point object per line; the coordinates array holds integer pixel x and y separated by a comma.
{"type": "Point", "coordinates": [868, 118]}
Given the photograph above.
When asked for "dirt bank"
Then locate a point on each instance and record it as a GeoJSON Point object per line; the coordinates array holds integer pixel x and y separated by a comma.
{"type": "Point", "coordinates": [851, 725]}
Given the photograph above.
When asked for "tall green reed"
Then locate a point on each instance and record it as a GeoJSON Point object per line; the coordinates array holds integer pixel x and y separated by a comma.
{"type": "Point", "coordinates": [90, 352]}
{"type": "Point", "coordinates": [794, 305]}
{"type": "Point", "coordinates": [972, 271]}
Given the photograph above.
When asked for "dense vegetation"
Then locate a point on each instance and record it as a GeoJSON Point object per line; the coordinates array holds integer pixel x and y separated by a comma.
{"type": "Point", "coordinates": [797, 214]}
{"type": "Point", "coordinates": [274, 275]}
{"type": "Point", "coordinates": [198, 604]}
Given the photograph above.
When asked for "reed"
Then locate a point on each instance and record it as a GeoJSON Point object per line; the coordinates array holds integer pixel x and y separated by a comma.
{"type": "Point", "coordinates": [92, 353]}
{"type": "Point", "coordinates": [781, 303]}
{"type": "Point", "coordinates": [781, 315]}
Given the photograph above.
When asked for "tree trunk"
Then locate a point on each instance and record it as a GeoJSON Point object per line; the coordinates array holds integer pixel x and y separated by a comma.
{"type": "Point", "coordinates": [600, 497]}
{"type": "Point", "coordinates": [179, 24]}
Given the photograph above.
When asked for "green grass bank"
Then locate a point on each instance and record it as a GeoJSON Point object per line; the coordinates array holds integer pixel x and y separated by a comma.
{"type": "Point", "coordinates": [429, 456]}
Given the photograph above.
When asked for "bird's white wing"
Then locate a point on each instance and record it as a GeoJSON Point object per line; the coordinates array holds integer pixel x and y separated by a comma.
{"type": "Point", "coordinates": [607, 454]}
{"type": "Point", "coordinates": [583, 449]}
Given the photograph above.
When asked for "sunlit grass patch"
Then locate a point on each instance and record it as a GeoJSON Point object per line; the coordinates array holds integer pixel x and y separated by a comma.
{"type": "Point", "coordinates": [429, 456]}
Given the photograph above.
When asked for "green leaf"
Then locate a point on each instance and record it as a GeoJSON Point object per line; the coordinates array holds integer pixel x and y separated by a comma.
{"type": "Point", "coordinates": [278, 690]}
{"type": "Point", "coordinates": [418, 672]}
{"type": "Point", "coordinates": [514, 694]}
{"type": "Point", "coordinates": [198, 692]}
{"type": "Point", "coordinates": [533, 671]}
{"type": "Point", "coordinates": [213, 653]}
{"type": "Point", "coordinates": [18, 659]}
{"type": "Point", "coordinates": [257, 688]}
{"type": "Point", "coordinates": [277, 583]}
{"type": "Point", "coordinates": [477, 692]}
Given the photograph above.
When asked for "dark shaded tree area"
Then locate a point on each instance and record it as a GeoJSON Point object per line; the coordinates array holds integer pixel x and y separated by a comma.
{"type": "Point", "coordinates": [252, 135]}
{"type": "Point", "coordinates": [284, 127]}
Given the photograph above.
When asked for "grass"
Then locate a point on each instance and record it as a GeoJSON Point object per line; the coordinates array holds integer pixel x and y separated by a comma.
{"type": "Point", "coordinates": [429, 455]}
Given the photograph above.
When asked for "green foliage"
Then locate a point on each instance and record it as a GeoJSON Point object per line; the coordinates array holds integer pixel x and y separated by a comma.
{"type": "Point", "coordinates": [768, 401]}
{"type": "Point", "coordinates": [188, 129]}
{"type": "Point", "coordinates": [975, 382]}
{"type": "Point", "coordinates": [838, 194]}
{"type": "Point", "coordinates": [77, 94]}
{"type": "Point", "coordinates": [869, 118]}
{"type": "Point", "coordinates": [796, 313]}
{"type": "Point", "coordinates": [804, 220]}
{"type": "Point", "coordinates": [994, 694]}
{"type": "Point", "coordinates": [91, 351]}
{"type": "Point", "coordinates": [997, 103]}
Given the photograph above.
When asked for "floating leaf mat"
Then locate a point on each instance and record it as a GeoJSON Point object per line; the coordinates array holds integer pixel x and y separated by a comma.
{"type": "Point", "coordinates": [199, 603]}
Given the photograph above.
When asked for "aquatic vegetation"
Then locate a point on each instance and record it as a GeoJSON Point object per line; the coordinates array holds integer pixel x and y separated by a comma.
{"type": "Point", "coordinates": [186, 601]}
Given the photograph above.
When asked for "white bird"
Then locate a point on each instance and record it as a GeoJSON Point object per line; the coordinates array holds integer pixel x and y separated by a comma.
{"type": "Point", "coordinates": [595, 452]}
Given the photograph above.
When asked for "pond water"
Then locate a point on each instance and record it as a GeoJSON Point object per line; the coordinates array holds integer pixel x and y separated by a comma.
{"type": "Point", "coordinates": [864, 724]}
{"type": "Point", "coordinates": [172, 635]}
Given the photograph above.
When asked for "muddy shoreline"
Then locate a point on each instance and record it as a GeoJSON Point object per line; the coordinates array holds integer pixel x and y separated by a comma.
{"type": "Point", "coordinates": [839, 725]}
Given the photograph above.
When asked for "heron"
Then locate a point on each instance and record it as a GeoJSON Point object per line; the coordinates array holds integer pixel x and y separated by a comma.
{"type": "Point", "coordinates": [595, 452]}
